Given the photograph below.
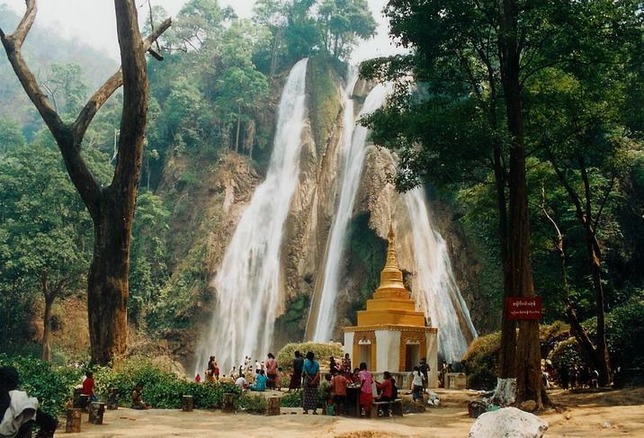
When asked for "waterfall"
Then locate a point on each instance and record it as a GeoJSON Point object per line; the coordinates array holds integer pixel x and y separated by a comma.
{"type": "Point", "coordinates": [247, 284]}
{"type": "Point", "coordinates": [352, 163]}
{"type": "Point", "coordinates": [433, 286]}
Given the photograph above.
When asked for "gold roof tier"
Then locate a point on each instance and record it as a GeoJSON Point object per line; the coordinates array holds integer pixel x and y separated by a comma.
{"type": "Point", "coordinates": [391, 303]}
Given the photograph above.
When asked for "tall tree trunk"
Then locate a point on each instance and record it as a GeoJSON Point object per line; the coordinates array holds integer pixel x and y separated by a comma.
{"type": "Point", "coordinates": [238, 129]}
{"type": "Point", "coordinates": [46, 333]}
{"type": "Point", "coordinates": [107, 283]}
{"type": "Point", "coordinates": [528, 355]}
{"type": "Point", "coordinates": [602, 359]}
{"type": "Point", "coordinates": [112, 207]}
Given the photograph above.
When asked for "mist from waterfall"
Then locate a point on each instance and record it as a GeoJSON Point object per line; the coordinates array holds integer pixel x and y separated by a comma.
{"type": "Point", "coordinates": [433, 286]}
{"type": "Point", "coordinates": [247, 284]}
{"type": "Point", "coordinates": [353, 157]}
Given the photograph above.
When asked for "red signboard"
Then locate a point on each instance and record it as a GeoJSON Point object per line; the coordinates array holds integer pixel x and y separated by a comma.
{"type": "Point", "coordinates": [523, 308]}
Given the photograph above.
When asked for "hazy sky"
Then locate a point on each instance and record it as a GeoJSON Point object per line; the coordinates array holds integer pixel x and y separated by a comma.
{"type": "Point", "coordinates": [93, 21]}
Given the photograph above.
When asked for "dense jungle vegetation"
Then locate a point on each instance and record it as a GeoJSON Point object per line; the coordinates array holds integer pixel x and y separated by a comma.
{"type": "Point", "coordinates": [583, 136]}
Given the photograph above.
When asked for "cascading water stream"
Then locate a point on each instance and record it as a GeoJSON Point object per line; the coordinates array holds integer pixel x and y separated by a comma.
{"type": "Point", "coordinates": [353, 160]}
{"type": "Point", "coordinates": [433, 286]}
{"type": "Point", "coordinates": [247, 284]}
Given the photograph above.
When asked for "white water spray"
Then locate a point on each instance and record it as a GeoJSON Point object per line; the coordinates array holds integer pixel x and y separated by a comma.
{"type": "Point", "coordinates": [247, 285]}
{"type": "Point", "coordinates": [353, 159]}
{"type": "Point", "coordinates": [433, 286]}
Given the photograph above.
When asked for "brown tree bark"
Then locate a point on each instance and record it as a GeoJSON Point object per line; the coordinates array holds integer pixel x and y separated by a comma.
{"type": "Point", "coordinates": [46, 333]}
{"type": "Point", "coordinates": [597, 353]}
{"type": "Point", "coordinates": [111, 207]}
{"type": "Point", "coordinates": [528, 356]}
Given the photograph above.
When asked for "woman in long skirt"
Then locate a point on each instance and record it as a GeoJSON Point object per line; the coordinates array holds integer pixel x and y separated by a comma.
{"type": "Point", "coordinates": [311, 375]}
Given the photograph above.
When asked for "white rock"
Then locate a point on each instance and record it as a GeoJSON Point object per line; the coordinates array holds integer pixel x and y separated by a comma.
{"type": "Point", "coordinates": [508, 423]}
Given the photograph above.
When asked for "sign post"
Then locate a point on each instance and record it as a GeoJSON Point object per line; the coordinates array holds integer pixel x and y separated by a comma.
{"type": "Point", "coordinates": [524, 308]}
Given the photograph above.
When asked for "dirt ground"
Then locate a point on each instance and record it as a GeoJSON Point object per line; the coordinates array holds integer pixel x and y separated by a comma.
{"type": "Point", "coordinates": [609, 413]}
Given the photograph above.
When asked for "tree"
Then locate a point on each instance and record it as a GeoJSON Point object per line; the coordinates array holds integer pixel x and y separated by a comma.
{"type": "Point", "coordinates": [581, 99]}
{"type": "Point", "coordinates": [149, 270]}
{"type": "Point", "coordinates": [111, 207]}
{"type": "Point", "coordinates": [342, 22]}
{"type": "Point", "coordinates": [44, 226]}
{"type": "Point", "coordinates": [474, 64]}
{"type": "Point", "coordinates": [10, 136]}
{"type": "Point", "coordinates": [467, 56]}
{"type": "Point", "coordinates": [65, 88]}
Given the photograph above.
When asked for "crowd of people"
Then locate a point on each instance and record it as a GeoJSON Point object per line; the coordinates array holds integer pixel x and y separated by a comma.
{"type": "Point", "coordinates": [261, 376]}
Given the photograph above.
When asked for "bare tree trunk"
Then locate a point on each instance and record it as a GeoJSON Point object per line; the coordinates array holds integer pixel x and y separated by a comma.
{"type": "Point", "coordinates": [46, 334]}
{"type": "Point", "coordinates": [238, 129]}
{"type": "Point", "coordinates": [112, 207]}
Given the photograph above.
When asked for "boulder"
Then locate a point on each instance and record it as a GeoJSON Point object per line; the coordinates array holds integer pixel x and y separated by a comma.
{"type": "Point", "coordinates": [508, 423]}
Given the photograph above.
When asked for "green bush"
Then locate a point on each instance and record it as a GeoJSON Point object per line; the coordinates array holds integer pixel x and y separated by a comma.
{"type": "Point", "coordinates": [51, 385]}
{"type": "Point", "coordinates": [252, 403]}
{"type": "Point", "coordinates": [292, 399]}
{"type": "Point", "coordinates": [566, 353]}
{"type": "Point", "coordinates": [481, 361]}
{"type": "Point", "coordinates": [321, 350]}
{"type": "Point", "coordinates": [624, 331]}
{"type": "Point", "coordinates": [161, 388]}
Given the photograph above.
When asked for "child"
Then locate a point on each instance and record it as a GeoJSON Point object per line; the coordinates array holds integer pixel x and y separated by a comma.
{"type": "Point", "coordinates": [325, 393]}
{"type": "Point", "coordinates": [278, 380]}
{"type": "Point", "coordinates": [137, 397]}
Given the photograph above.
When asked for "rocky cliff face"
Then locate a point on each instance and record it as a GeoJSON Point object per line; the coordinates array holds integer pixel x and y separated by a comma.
{"type": "Point", "coordinates": [231, 184]}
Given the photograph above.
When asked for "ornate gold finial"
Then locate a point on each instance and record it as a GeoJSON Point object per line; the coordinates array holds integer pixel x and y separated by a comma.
{"type": "Point", "coordinates": [392, 257]}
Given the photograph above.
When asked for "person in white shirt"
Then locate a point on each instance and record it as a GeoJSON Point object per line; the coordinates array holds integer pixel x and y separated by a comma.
{"type": "Point", "coordinates": [417, 384]}
{"type": "Point", "coordinates": [241, 382]}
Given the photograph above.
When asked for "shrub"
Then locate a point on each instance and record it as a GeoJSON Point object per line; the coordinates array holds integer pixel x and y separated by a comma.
{"type": "Point", "coordinates": [51, 385]}
{"type": "Point", "coordinates": [321, 350]}
{"type": "Point", "coordinates": [481, 361]}
{"type": "Point", "coordinates": [624, 331]}
{"type": "Point", "coordinates": [566, 354]}
{"type": "Point", "coordinates": [251, 403]}
{"type": "Point", "coordinates": [292, 399]}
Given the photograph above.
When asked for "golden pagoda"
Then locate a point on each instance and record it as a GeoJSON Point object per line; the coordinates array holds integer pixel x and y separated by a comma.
{"type": "Point", "coordinates": [391, 335]}
{"type": "Point", "coordinates": [391, 303]}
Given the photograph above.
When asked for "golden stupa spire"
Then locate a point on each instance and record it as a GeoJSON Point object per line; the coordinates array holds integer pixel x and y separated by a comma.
{"type": "Point", "coordinates": [391, 303]}
{"type": "Point", "coordinates": [391, 277]}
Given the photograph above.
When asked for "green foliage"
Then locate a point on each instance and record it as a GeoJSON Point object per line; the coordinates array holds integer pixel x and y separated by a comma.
{"type": "Point", "coordinates": [252, 403]}
{"type": "Point", "coordinates": [292, 399]}
{"type": "Point", "coordinates": [481, 358]}
{"type": "Point", "coordinates": [566, 354]}
{"type": "Point", "coordinates": [321, 350]}
{"type": "Point", "coordinates": [325, 105]}
{"type": "Point", "coordinates": [481, 361]}
{"type": "Point", "coordinates": [66, 88]}
{"type": "Point", "coordinates": [10, 136]}
{"type": "Point", "coordinates": [174, 304]}
{"type": "Point", "coordinates": [45, 231]}
{"type": "Point", "coordinates": [162, 388]}
{"type": "Point", "coordinates": [342, 22]}
{"type": "Point", "coordinates": [148, 271]}
{"type": "Point", "coordinates": [366, 254]}
{"type": "Point", "coordinates": [52, 385]}
{"type": "Point", "coordinates": [624, 332]}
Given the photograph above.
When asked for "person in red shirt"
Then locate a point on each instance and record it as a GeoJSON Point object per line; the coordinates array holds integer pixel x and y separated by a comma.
{"type": "Point", "coordinates": [339, 391]}
{"type": "Point", "coordinates": [386, 389]}
{"type": "Point", "coordinates": [88, 386]}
